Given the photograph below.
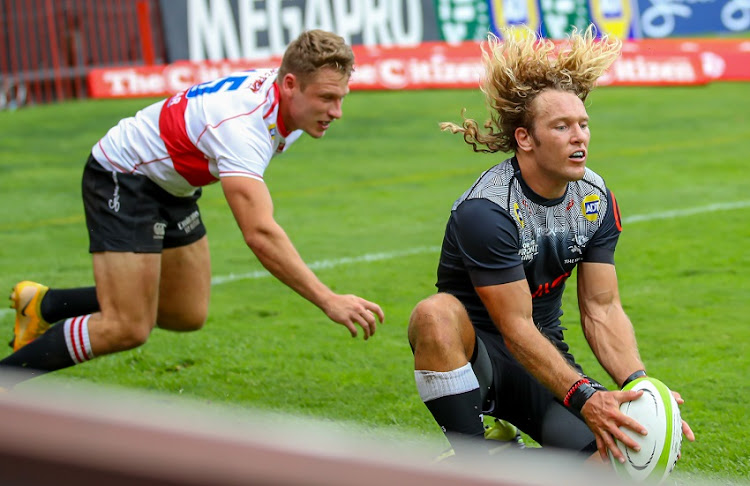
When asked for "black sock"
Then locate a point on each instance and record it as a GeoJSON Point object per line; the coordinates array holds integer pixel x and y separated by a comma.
{"type": "Point", "coordinates": [59, 304]}
{"type": "Point", "coordinates": [48, 352]}
{"type": "Point", "coordinates": [460, 417]}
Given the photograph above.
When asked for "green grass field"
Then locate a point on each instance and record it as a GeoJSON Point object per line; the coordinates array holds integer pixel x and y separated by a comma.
{"type": "Point", "coordinates": [367, 205]}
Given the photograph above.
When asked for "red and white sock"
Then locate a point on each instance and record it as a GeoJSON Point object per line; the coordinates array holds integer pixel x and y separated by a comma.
{"type": "Point", "coordinates": [77, 338]}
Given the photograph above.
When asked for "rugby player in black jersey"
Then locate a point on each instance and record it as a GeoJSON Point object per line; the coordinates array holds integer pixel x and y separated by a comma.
{"type": "Point", "coordinates": [491, 340]}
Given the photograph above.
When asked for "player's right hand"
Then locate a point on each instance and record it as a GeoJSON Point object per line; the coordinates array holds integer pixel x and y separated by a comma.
{"type": "Point", "coordinates": [603, 416]}
{"type": "Point", "coordinates": [352, 311]}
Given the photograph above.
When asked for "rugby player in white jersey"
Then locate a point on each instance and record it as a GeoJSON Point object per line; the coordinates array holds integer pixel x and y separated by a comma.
{"type": "Point", "coordinates": [140, 190]}
{"type": "Point", "coordinates": [491, 340]}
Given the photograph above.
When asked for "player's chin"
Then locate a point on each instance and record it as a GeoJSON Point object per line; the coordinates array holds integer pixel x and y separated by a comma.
{"type": "Point", "coordinates": [317, 131]}
{"type": "Point", "coordinates": [576, 170]}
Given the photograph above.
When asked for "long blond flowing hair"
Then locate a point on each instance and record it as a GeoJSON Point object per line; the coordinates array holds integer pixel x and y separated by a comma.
{"type": "Point", "coordinates": [521, 66]}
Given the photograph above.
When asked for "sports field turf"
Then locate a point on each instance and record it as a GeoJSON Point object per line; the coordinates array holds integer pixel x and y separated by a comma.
{"type": "Point", "coordinates": [366, 206]}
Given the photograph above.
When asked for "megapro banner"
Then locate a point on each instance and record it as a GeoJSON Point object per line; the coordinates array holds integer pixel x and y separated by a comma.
{"type": "Point", "coordinates": [675, 18]}
{"type": "Point", "coordinates": [198, 30]}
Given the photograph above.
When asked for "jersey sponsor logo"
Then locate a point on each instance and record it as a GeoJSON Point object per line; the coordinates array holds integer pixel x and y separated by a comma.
{"type": "Point", "coordinates": [114, 203]}
{"type": "Point", "coordinates": [546, 287]}
{"type": "Point", "coordinates": [258, 83]}
{"type": "Point", "coordinates": [159, 230]}
{"type": "Point", "coordinates": [590, 207]}
{"type": "Point", "coordinates": [578, 242]}
{"type": "Point", "coordinates": [549, 230]}
{"type": "Point", "coordinates": [528, 250]}
{"type": "Point", "coordinates": [175, 100]}
{"type": "Point", "coordinates": [518, 215]}
{"type": "Point", "coordinates": [272, 130]}
{"type": "Point", "coordinates": [190, 223]}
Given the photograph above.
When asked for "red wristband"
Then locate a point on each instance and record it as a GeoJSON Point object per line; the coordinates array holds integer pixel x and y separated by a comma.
{"type": "Point", "coordinates": [573, 389]}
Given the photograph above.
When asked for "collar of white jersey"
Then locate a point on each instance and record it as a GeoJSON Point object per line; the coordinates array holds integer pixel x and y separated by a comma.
{"type": "Point", "coordinates": [281, 127]}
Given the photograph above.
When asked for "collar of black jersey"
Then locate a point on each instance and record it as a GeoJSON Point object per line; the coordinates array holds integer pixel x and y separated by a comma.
{"type": "Point", "coordinates": [528, 192]}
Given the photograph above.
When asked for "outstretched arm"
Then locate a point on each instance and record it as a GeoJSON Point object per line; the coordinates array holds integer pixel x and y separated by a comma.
{"type": "Point", "coordinates": [252, 207]}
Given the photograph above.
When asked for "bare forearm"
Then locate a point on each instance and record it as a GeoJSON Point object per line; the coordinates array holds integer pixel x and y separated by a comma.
{"type": "Point", "coordinates": [253, 210]}
{"type": "Point", "coordinates": [611, 337]}
{"type": "Point", "coordinates": [277, 254]}
{"type": "Point", "coordinates": [511, 310]}
{"type": "Point", "coordinates": [540, 357]}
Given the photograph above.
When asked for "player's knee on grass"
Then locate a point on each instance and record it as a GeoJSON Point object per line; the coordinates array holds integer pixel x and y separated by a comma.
{"type": "Point", "coordinates": [181, 323]}
{"type": "Point", "coordinates": [181, 316]}
{"type": "Point", "coordinates": [113, 336]}
{"type": "Point", "coordinates": [435, 323]}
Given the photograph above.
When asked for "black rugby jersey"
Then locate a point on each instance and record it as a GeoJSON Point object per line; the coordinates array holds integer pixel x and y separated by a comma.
{"type": "Point", "coordinates": [500, 231]}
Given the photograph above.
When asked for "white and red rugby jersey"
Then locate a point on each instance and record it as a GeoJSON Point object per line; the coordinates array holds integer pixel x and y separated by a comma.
{"type": "Point", "coordinates": [225, 127]}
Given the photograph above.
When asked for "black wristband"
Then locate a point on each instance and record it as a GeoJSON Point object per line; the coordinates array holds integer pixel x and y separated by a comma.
{"type": "Point", "coordinates": [580, 396]}
{"type": "Point", "coordinates": [633, 377]}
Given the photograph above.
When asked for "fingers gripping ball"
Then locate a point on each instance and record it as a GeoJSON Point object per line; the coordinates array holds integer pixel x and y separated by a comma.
{"type": "Point", "coordinates": [658, 412]}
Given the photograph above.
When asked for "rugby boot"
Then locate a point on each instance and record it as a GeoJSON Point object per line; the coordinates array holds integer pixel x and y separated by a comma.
{"type": "Point", "coordinates": [445, 456]}
{"type": "Point", "coordinates": [26, 299]}
{"type": "Point", "coordinates": [504, 432]}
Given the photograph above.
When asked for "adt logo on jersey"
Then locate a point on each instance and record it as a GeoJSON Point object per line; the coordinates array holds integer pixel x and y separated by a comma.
{"type": "Point", "coordinates": [590, 207]}
{"type": "Point", "coordinates": [518, 215]}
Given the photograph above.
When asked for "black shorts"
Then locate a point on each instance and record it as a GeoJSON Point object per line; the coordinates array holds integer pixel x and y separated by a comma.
{"type": "Point", "coordinates": [513, 394]}
{"type": "Point", "coordinates": [131, 213]}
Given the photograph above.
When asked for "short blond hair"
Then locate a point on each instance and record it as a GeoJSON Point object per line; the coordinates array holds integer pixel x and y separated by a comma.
{"type": "Point", "coordinates": [314, 50]}
{"type": "Point", "coordinates": [523, 65]}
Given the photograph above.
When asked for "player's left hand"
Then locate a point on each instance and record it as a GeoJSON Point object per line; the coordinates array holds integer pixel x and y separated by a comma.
{"type": "Point", "coordinates": [350, 311]}
{"type": "Point", "coordinates": [686, 430]}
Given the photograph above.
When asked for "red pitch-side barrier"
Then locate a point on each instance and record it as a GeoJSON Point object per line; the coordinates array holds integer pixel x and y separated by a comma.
{"type": "Point", "coordinates": [721, 59]}
{"type": "Point", "coordinates": [47, 47]}
{"type": "Point", "coordinates": [440, 65]}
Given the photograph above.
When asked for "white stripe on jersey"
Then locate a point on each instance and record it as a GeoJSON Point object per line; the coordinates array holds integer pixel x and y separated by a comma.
{"type": "Point", "coordinates": [225, 127]}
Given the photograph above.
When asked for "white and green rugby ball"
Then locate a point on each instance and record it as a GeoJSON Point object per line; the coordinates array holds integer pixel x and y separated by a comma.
{"type": "Point", "coordinates": [658, 412]}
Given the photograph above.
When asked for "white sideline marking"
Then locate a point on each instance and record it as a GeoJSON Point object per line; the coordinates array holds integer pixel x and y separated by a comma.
{"type": "Point", "coordinates": [370, 257]}
{"type": "Point", "coordinates": [677, 213]}
{"type": "Point", "coordinates": [377, 257]}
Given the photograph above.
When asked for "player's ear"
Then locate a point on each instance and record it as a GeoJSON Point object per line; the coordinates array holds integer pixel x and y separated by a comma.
{"type": "Point", "coordinates": [289, 82]}
{"type": "Point", "coordinates": [523, 139]}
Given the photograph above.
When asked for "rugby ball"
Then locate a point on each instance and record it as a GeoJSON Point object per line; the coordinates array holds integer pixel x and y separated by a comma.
{"type": "Point", "coordinates": [658, 412]}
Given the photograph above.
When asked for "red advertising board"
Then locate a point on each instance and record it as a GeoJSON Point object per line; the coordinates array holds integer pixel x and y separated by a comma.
{"type": "Point", "coordinates": [440, 65]}
{"type": "Point", "coordinates": [722, 59]}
